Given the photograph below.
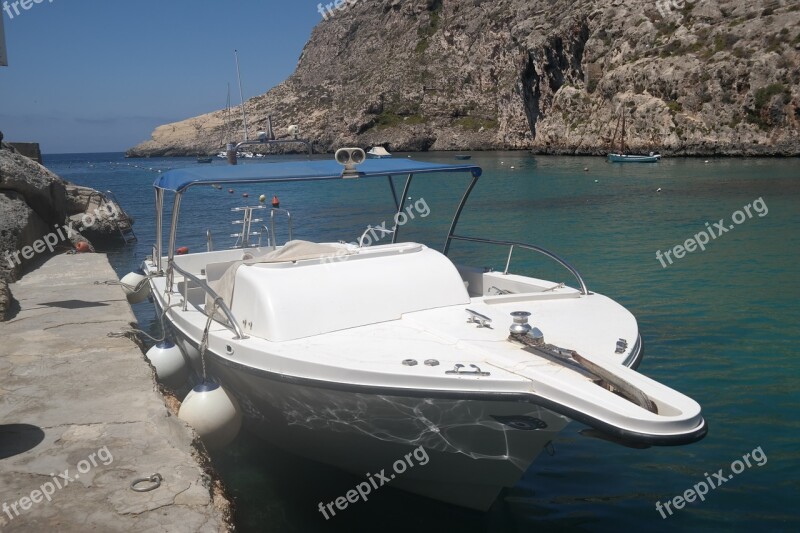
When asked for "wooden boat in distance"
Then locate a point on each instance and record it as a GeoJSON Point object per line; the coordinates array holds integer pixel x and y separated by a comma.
{"type": "Point", "coordinates": [621, 156]}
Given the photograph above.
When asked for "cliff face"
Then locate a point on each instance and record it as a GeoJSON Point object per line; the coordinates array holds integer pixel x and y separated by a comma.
{"type": "Point", "coordinates": [694, 77]}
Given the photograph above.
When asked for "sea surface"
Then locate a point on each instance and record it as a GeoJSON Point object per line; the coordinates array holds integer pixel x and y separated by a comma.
{"type": "Point", "coordinates": [720, 325]}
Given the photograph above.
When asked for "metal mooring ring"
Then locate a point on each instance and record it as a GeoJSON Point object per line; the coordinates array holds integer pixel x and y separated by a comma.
{"type": "Point", "coordinates": [155, 479]}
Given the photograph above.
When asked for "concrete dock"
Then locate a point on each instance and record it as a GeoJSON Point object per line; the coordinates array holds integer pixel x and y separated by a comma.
{"type": "Point", "coordinates": [81, 416]}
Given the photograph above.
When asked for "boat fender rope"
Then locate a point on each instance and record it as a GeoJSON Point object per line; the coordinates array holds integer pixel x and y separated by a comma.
{"type": "Point", "coordinates": [204, 340]}
{"type": "Point", "coordinates": [134, 288]}
{"type": "Point", "coordinates": [132, 332]}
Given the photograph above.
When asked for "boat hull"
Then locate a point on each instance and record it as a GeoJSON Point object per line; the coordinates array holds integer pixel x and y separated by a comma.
{"type": "Point", "coordinates": [475, 447]}
{"type": "Point", "coordinates": [621, 158]}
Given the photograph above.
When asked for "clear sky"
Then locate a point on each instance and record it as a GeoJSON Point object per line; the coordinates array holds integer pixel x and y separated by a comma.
{"type": "Point", "coordinates": [100, 75]}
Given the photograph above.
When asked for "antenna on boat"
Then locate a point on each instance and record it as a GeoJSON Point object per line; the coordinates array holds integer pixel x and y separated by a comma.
{"type": "Point", "coordinates": [241, 94]}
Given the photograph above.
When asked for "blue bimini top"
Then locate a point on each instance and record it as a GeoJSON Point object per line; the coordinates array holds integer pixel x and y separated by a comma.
{"type": "Point", "coordinates": [179, 180]}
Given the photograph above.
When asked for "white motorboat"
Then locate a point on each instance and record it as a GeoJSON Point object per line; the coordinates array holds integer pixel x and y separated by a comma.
{"type": "Point", "coordinates": [355, 355]}
{"type": "Point", "coordinates": [378, 152]}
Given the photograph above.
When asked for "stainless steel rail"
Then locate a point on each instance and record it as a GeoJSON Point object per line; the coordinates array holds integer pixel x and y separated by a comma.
{"type": "Point", "coordinates": [272, 212]}
{"type": "Point", "coordinates": [232, 325]}
{"type": "Point", "coordinates": [524, 246]}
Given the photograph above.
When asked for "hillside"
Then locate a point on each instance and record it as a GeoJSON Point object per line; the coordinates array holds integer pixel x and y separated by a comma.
{"type": "Point", "coordinates": [710, 77]}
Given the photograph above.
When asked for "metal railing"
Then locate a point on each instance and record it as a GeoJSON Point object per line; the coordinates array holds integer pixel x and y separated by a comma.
{"type": "Point", "coordinates": [243, 238]}
{"type": "Point", "coordinates": [524, 246]}
{"type": "Point", "coordinates": [121, 221]}
{"type": "Point", "coordinates": [280, 211]}
{"type": "Point", "coordinates": [232, 324]}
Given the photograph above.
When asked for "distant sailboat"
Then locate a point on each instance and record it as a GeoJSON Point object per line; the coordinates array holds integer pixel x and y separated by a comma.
{"type": "Point", "coordinates": [621, 156]}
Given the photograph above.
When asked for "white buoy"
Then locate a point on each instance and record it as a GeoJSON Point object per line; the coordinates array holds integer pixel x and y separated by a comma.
{"type": "Point", "coordinates": [136, 287]}
{"type": "Point", "coordinates": [658, 190]}
{"type": "Point", "coordinates": [171, 367]}
{"type": "Point", "coordinates": [213, 413]}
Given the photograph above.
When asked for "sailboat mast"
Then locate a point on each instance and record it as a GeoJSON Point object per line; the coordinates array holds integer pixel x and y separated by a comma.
{"type": "Point", "coordinates": [622, 139]}
{"type": "Point", "coordinates": [228, 116]}
{"type": "Point", "coordinates": [241, 94]}
{"type": "Point", "coordinates": [614, 137]}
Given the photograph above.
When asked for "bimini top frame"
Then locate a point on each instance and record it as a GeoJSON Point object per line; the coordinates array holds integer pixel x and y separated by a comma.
{"type": "Point", "coordinates": [180, 180]}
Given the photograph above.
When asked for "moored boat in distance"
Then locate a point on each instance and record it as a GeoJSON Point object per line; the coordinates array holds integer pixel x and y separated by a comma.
{"type": "Point", "coordinates": [621, 156]}
{"type": "Point", "coordinates": [379, 152]}
{"type": "Point", "coordinates": [355, 354]}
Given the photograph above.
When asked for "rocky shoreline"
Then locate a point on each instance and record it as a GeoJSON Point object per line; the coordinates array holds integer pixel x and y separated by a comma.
{"type": "Point", "coordinates": [41, 214]}
{"type": "Point", "coordinates": [712, 77]}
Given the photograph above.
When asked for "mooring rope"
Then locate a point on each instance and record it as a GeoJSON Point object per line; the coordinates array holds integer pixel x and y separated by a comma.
{"type": "Point", "coordinates": [133, 288]}
{"type": "Point", "coordinates": [204, 340]}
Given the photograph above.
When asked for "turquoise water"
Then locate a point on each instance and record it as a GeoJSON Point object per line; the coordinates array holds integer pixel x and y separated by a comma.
{"type": "Point", "coordinates": [720, 325]}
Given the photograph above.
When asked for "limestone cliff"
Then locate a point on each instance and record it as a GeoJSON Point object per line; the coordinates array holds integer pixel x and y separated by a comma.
{"type": "Point", "coordinates": [694, 77]}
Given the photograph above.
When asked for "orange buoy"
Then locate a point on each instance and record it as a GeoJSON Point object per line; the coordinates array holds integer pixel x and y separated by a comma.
{"type": "Point", "coordinates": [183, 250]}
{"type": "Point", "coordinates": [83, 247]}
{"type": "Point", "coordinates": [275, 202]}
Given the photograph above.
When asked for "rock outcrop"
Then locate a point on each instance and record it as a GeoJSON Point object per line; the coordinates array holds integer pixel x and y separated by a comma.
{"type": "Point", "coordinates": [104, 213]}
{"type": "Point", "coordinates": [5, 300]}
{"type": "Point", "coordinates": [20, 226]}
{"type": "Point", "coordinates": [41, 214]}
{"type": "Point", "coordinates": [32, 202]}
{"type": "Point", "coordinates": [694, 77]}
